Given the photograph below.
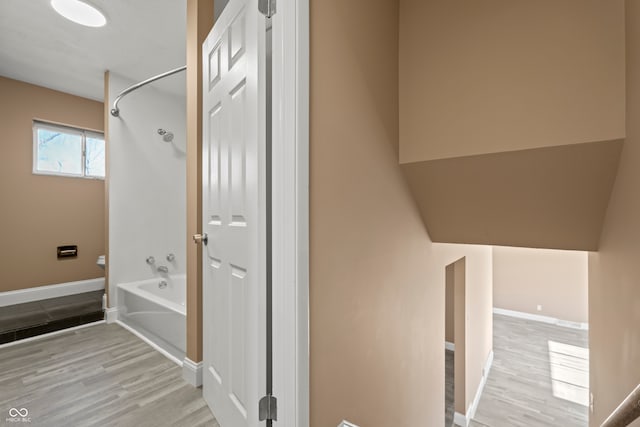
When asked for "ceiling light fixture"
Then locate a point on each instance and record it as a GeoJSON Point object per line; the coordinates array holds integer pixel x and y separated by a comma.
{"type": "Point", "coordinates": [79, 12]}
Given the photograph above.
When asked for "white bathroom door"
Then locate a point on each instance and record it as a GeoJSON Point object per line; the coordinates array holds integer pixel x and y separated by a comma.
{"type": "Point", "coordinates": [234, 215]}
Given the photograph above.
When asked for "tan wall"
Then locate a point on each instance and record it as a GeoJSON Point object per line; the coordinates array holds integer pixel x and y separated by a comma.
{"type": "Point", "coordinates": [498, 75]}
{"type": "Point", "coordinates": [377, 284]}
{"type": "Point", "coordinates": [614, 294]}
{"type": "Point", "coordinates": [449, 310]}
{"type": "Point", "coordinates": [372, 344]}
{"type": "Point", "coordinates": [106, 113]}
{"type": "Point", "coordinates": [556, 280]}
{"type": "Point", "coordinates": [479, 317]}
{"type": "Point", "coordinates": [476, 313]}
{"type": "Point", "coordinates": [42, 212]}
{"type": "Point", "coordinates": [456, 277]}
{"type": "Point", "coordinates": [199, 23]}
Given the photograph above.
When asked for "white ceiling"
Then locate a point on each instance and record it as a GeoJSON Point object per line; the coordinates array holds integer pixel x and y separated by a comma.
{"type": "Point", "coordinates": [142, 38]}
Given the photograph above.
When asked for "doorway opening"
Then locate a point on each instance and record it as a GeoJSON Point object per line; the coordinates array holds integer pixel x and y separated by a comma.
{"type": "Point", "coordinates": [455, 330]}
{"type": "Point", "coordinates": [540, 338]}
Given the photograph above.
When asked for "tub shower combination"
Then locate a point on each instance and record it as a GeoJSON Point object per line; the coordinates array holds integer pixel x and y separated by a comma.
{"type": "Point", "coordinates": [155, 308]}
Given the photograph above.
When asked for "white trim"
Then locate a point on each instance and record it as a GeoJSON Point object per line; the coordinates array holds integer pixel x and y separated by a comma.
{"type": "Point", "coordinates": [449, 346]}
{"type": "Point", "coordinates": [346, 423]}
{"type": "Point", "coordinates": [483, 381]}
{"type": "Point", "coordinates": [50, 291]}
{"type": "Point", "coordinates": [155, 346]}
{"type": "Point", "coordinates": [290, 203]}
{"type": "Point", "coordinates": [464, 420]}
{"type": "Point", "coordinates": [192, 372]}
{"type": "Point", "coordinates": [69, 130]}
{"type": "Point", "coordinates": [111, 315]}
{"type": "Point", "coordinates": [50, 334]}
{"type": "Point", "coordinates": [460, 420]}
{"type": "Point", "coordinates": [543, 319]}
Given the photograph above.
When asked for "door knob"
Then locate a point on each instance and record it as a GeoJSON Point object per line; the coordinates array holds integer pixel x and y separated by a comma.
{"type": "Point", "coordinates": [200, 238]}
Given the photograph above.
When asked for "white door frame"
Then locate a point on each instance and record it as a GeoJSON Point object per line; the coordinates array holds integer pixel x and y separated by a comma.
{"type": "Point", "coordinates": [290, 218]}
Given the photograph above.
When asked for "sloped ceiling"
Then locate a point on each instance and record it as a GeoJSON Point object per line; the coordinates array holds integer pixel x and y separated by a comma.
{"type": "Point", "coordinates": [543, 198]}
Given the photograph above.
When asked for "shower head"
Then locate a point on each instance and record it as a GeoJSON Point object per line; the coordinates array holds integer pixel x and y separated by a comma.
{"type": "Point", "coordinates": [167, 136]}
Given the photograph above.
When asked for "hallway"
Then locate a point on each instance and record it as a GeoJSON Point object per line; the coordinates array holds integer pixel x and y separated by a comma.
{"type": "Point", "coordinates": [539, 376]}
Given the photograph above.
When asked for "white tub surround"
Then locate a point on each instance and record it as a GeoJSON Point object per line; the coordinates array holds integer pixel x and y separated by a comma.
{"type": "Point", "coordinates": [155, 308]}
{"type": "Point", "coordinates": [147, 182]}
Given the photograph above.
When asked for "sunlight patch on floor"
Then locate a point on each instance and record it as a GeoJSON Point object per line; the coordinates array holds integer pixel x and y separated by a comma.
{"type": "Point", "coordinates": [569, 372]}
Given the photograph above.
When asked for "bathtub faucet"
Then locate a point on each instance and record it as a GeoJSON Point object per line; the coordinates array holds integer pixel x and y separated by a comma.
{"type": "Point", "coordinates": [162, 269]}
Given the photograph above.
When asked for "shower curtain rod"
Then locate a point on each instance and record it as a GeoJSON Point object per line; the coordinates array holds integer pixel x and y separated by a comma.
{"type": "Point", "coordinates": [115, 111]}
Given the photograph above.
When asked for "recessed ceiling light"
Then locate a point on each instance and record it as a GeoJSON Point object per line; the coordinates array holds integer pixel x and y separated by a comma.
{"type": "Point", "coordinates": [79, 12]}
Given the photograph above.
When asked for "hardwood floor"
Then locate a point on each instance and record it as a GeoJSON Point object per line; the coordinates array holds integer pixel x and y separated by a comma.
{"type": "Point", "coordinates": [539, 373]}
{"type": "Point", "coordinates": [97, 376]}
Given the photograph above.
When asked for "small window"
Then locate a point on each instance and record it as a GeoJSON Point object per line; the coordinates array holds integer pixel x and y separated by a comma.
{"type": "Point", "coordinates": [67, 151]}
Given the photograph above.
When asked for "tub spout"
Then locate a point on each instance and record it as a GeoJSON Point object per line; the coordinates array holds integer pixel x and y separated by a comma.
{"type": "Point", "coordinates": [162, 269]}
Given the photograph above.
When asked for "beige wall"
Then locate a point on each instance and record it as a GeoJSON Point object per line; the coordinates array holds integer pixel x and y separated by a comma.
{"type": "Point", "coordinates": [199, 23]}
{"type": "Point", "coordinates": [479, 317]}
{"type": "Point", "coordinates": [377, 284]}
{"type": "Point", "coordinates": [42, 212]}
{"type": "Point", "coordinates": [450, 306]}
{"type": "Point", "coordinates": [557, 280]}
{"type": "Point", "coordinates": [477, 302]}
{"type": "Point", "coordinates": [372, 344]}
{"type": "Point", "coordinates": [614, 293]}
{"type": "Point", "coordinates": [456, 278]}
{"type": "Point", "coordinates": [498, 75]}
{"type": "Point", "coordinates": [106, 112]}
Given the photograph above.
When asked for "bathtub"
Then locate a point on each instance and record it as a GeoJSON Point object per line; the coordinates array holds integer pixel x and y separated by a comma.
{"type": "Point", "coordinates": [155, 309]}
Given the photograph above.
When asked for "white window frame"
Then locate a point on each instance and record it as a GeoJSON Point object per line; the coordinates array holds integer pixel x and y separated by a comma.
{"type": "Point", "coordinates": [84, 134]}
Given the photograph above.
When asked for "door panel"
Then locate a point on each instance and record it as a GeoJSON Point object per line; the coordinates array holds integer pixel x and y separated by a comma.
{"type": "Point", "coordinates": [234, 300]}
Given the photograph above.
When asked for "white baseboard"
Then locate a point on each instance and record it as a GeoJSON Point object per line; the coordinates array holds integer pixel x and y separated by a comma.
{"type": "Point", "coordinates": [449, 346]}
{"type": "Point", "coordinates": [50, 334]}
{"type": "Point", "coordinates": [38, 293]}
{"type": "Point", "coordinates": [540, 318]}
{"type": "Point", "coordinates": [460, 420]}
{"type": "Point", "coordinates": [464, 420]}
{"type": "Point", "coordinates": [111, 315]}
{"type": "Point", "coordinates": [192, 372]}
{"type": "Point", "coordinates": [485, 374]}
{"type": "Point", "coordinates": [155, 346]}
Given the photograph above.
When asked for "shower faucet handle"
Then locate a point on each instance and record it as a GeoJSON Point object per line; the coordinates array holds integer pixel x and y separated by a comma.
{"type": "Point", "coordinates": [151, 260]}
{"type": "Point", "coordinates": [171, 257]}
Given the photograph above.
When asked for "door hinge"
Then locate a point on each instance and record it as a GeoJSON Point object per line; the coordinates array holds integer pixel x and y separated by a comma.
{"type": "Point", "coordinates": [267, 7]}
{"type": "Point", "coordinates": [268, 408]}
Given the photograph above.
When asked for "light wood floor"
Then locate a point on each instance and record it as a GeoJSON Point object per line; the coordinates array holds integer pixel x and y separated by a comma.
{"type": "Point", "coordinates": [105, 376]}
{"type": "Point", "coordinates": [97, 376]}
{"type": "Point", "coordinates": [539, 371]}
